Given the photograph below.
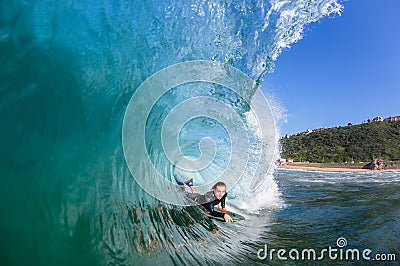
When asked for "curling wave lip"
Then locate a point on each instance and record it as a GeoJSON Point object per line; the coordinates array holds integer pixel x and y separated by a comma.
{"type": "Point", "coordinates": [134, 124]}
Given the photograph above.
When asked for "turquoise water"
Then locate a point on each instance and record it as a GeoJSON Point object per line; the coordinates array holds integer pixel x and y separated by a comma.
{"type": "Point", "coordinates": [320, 208]}
{"type": "Point", "coordinates": [68, 72]}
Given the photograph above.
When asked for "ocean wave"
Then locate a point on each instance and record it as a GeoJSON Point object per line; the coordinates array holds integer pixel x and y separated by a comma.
{"type": "Point", "coordinates": [69, 70]}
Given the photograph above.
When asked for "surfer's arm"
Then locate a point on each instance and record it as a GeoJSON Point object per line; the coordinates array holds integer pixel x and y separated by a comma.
{"type": "Point", "coordinates": [210, 208]}
{"type": "Point", "coordinates": [221, 209]}
{"type": "Point", "coordinates": [221, 205]}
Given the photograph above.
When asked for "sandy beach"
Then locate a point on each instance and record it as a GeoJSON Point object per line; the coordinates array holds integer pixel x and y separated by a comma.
{"type": "Point", "coordinates": [327, 168]}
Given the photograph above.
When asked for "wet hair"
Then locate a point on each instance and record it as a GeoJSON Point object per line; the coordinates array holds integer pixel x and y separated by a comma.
{"type": "Point", "coordinates": [218, 184]}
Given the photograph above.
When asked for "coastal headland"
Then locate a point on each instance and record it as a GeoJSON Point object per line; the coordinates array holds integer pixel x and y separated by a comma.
{"type": "Point", "coordinates": [370, 146]}
{"type": "Point", "coordinates": [332, 167]}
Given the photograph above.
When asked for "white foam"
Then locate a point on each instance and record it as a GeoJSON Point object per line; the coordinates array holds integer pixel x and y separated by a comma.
{"type": "Point", "coordinates": [266, 195]}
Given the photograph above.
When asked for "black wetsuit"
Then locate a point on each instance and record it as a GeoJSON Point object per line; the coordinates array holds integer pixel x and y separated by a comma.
{"type": "Point", "coordinates": [208, 201]}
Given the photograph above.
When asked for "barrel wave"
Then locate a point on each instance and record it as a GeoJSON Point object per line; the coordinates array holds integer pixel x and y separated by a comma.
{"type": "Point", "coordinates": [69, 71]}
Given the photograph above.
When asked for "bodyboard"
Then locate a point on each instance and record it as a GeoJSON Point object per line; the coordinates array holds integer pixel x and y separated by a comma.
{"type": "Point", "coordinates": [235, 216]}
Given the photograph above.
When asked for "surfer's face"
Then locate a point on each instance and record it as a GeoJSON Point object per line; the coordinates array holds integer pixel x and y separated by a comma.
{"type": "Point", "coordinates": [219, 191]}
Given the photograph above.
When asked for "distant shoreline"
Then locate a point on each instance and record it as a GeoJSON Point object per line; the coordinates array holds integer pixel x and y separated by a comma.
{"type": "Point", "coordinates": [327, 168]}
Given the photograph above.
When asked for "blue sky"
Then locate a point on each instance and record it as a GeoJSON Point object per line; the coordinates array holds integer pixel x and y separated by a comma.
{"type": "Point", "coordinates": [345, 69]}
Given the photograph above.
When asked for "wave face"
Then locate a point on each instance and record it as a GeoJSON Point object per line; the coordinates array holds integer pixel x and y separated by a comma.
{"type": "Point", "coordinates": [68, 72]}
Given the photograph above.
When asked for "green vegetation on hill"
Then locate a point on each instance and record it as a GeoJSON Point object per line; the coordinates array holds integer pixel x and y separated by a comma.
{"type": "Point", "coordinates": [358, 143]}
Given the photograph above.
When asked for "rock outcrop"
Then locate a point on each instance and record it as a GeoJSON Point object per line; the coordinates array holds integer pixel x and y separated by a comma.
{"type": "Point", "coordinates": [376, 164]}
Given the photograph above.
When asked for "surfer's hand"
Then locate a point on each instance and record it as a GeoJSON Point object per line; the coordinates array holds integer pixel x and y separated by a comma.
{"type": "Point", "coordinates": [227, 218]}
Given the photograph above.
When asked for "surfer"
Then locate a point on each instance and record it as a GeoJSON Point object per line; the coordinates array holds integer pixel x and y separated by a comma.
{"type": "Point", "coordinates": [216, 196]}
